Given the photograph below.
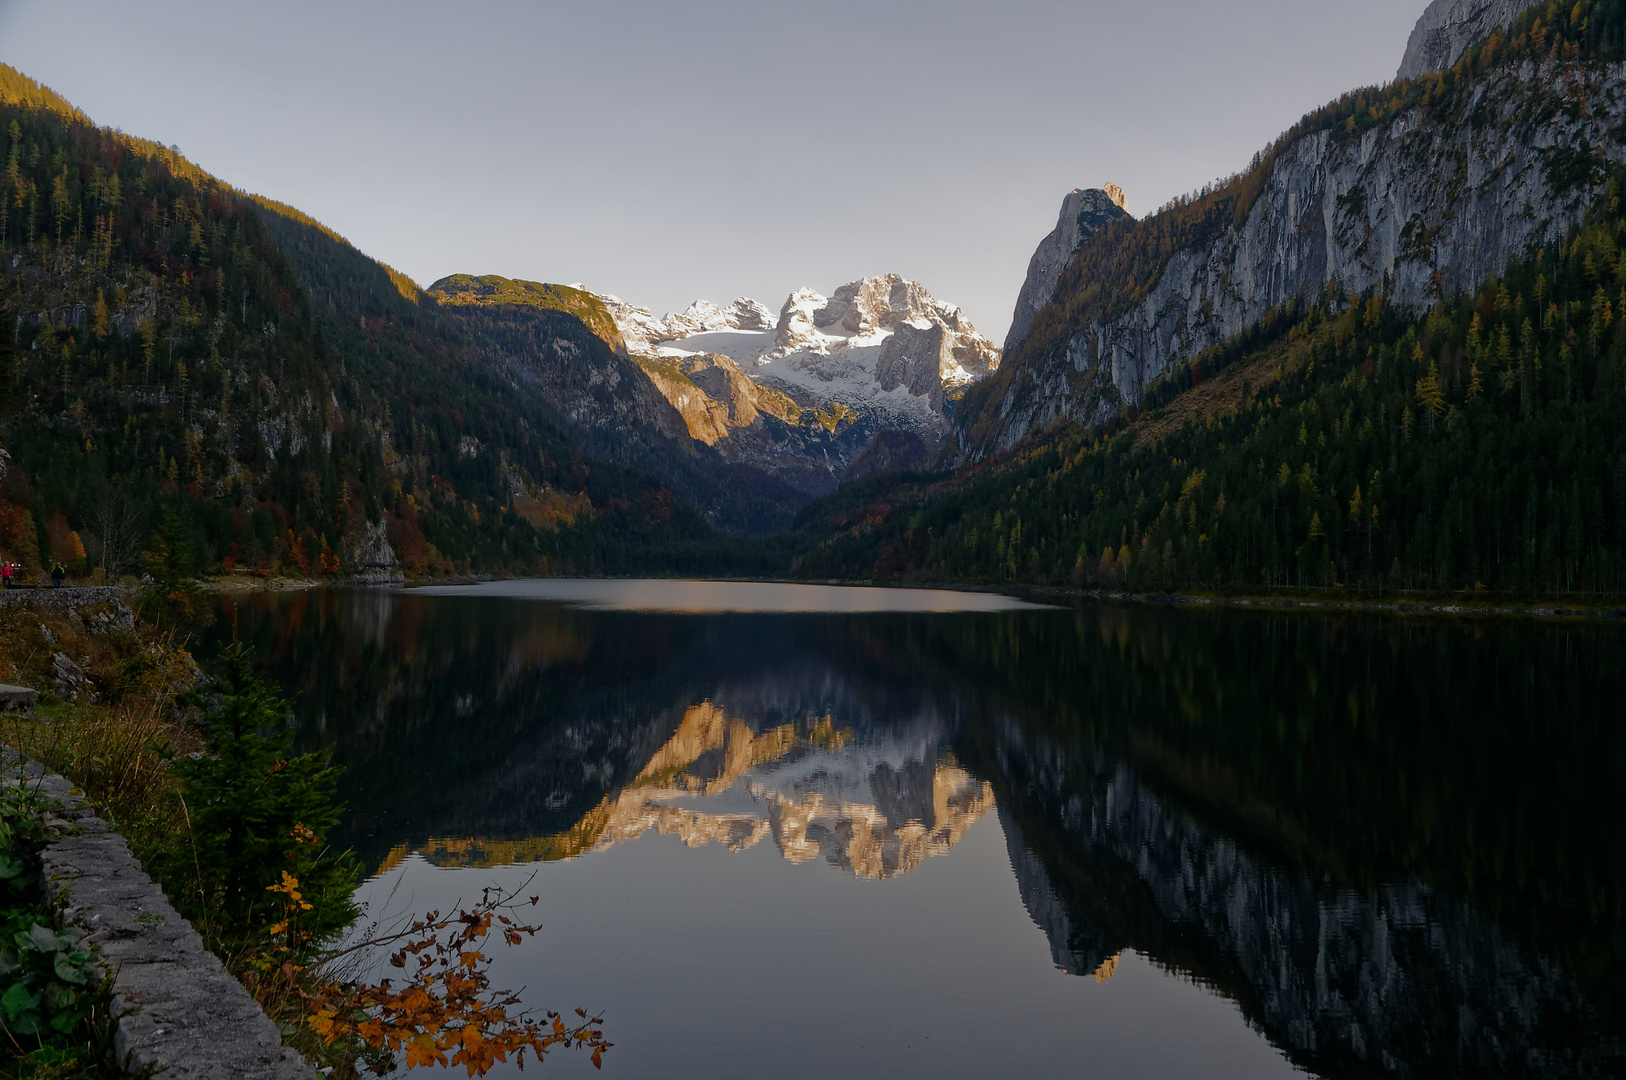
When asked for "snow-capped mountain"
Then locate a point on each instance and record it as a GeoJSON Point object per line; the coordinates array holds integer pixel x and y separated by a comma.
{"type": "Point", "coordinates": [644, 332]}
{"type": "Point", "coordinates": [883, 348]}
{"type": "Point", "coordinates": [802, 395]}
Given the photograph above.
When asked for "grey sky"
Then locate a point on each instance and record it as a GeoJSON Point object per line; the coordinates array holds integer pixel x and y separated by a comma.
{"type": "Point", "coordinates": [664, 151]}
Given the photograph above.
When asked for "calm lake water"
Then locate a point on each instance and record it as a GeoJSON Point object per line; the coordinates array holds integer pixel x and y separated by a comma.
{"type": "Point", "coordinates": [790, 831]}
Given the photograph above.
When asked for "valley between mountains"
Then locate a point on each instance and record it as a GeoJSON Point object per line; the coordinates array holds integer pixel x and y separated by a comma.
{"type": "Point", "coordinates": [1389, 353]}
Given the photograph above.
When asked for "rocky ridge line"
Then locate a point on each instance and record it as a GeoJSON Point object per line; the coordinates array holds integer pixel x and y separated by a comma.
{"type": "Point", "coordinates": [1416, 206]}
{"type": "Point", "coordinates": [1083, 214]}
{"type": "Point", "coordinates": [1449, 27]}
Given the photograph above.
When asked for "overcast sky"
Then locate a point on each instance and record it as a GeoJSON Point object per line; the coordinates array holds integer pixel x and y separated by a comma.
{"type": "Point", "coordinates": [665, 150]}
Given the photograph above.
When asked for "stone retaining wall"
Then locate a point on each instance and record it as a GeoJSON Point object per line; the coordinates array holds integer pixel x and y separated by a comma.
{"type": "Point", "coordinates": [65, 598]}
{"type": "Point", "coordinates": [177, 1010]}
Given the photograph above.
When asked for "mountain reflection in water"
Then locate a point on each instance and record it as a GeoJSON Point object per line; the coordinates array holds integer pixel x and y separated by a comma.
{"type": "Point", "coordinates": [1395, 846]}
{"type": "Point", "coordinates": [804, 789]}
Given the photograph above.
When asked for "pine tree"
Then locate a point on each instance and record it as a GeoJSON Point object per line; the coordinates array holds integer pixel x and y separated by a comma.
{"type": "Point", "coordinates": [1429, 394]}
{"type": "Point", "coordinates": [255, 813]}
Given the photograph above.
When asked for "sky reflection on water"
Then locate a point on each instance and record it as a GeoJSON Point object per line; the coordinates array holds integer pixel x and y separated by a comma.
{"type": "Point", "coordinates": [739, 597]}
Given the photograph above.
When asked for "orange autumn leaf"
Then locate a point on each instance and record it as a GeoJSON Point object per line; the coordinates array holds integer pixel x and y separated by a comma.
{"type": "Point", "coordinates": [447, 1005]}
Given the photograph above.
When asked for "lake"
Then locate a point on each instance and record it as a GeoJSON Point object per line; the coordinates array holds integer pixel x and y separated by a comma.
{"type": "Point", "coordinates": [799, 831]}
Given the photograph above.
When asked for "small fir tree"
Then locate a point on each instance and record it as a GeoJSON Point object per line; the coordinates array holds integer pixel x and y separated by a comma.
{"type": "Point", "coordinates": [257, 813]}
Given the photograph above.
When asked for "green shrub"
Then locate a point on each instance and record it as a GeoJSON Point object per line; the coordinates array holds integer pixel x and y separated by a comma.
{"type": "Point", "coordinates": [256, 812]}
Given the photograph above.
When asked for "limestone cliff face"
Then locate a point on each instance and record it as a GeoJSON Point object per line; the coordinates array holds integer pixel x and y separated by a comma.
{"type": "Point", "coordinates": [1449, 27]}
{"type": "Point", "coordinates": [715, 398]}
{"type": "Point", "coordinates": [1083, 213]}
{"type": "Point", "coordinates": [751, 423]}
{"type": "Point", "coordinates": [1430, 201]}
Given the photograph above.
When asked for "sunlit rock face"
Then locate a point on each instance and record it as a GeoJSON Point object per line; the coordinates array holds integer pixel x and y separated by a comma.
{"type": "Point", "coordinates": [864, 315]}
{"type": "Point", "coordinates": [644, 332]}
{"type": "Point", "coordinates": [802, 395]}
{"type": "Point", "coordinates": [1083, 214]}
{"type": "Point", "coordinates": [874, 811]}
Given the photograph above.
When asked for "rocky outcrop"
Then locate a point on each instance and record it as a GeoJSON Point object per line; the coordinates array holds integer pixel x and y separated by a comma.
{"type": "Point", "coordinates": [722, 380]}
{"type": "Point", "coordinates": [707, 419]}
{"type": "Point", "coordinates": [1425, 203]}
{"type": "Point", "coordinates": [1083, 214]}
{"type": "Point", "coordinates": [753, 424]}
{"type": "Point", "coordinates": [1449, 27]}
{"type": "Point", "coordinates": [70, 681]}
{"type": "Point", "coordinates": [715, 398]}
{"type": "Point", "coordinates": [369, 558]}
{"type": "Point", "coordinates": [914, 358]}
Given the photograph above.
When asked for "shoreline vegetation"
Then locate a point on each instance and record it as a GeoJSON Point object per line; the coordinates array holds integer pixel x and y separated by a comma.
{"type": "Point", "coordinates": [193, 765]}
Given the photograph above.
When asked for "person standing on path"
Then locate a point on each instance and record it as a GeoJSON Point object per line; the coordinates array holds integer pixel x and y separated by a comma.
{"type": "Point", "coordinates": [5, 573]}
{"type": "Point", "coordinates": [58, 572]}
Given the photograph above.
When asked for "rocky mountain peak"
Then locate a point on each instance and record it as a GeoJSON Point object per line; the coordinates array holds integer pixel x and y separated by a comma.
{"type": "Point", "coordinates": [1449, 27]}
{"type": "Point", "coordinates": [703, 316]}
{"type": "Point", "coordinates": [644, 332]}
{"type": "Point", "coordinates": [926, 344]}
{"type": "Point", "coordinates": [1083, 213]}
{"type": "Point", "coordinates": [796, 327]}
{"type": "Point", "coordinates": [877, 303]}
{"type": "Point", "coordinates": [800, 396]}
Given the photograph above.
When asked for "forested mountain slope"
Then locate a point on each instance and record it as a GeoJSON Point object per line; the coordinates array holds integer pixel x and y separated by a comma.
{"type": "Point", "coordinates": [563, 345]}
{"type": "Point", "coordinates": [1418, 190]}
{"type": "Point", "coordinates": [180, 356]}
{"type": "Point", "coordinates": [1471, 439]}
{"type": "Point", "coordinates": [1481, 447]}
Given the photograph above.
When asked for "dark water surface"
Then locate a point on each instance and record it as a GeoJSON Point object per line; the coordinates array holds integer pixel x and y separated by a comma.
{"type": "Point", "coordinates": [1118, 841]}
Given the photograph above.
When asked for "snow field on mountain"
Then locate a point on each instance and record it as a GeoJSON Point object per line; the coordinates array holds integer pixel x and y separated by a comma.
{"type": "Point", "coordinates": [834, 362]}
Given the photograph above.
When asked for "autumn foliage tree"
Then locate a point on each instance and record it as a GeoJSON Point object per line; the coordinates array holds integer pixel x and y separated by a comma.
{"type": "Point", "coordinates": [443, 1010]}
